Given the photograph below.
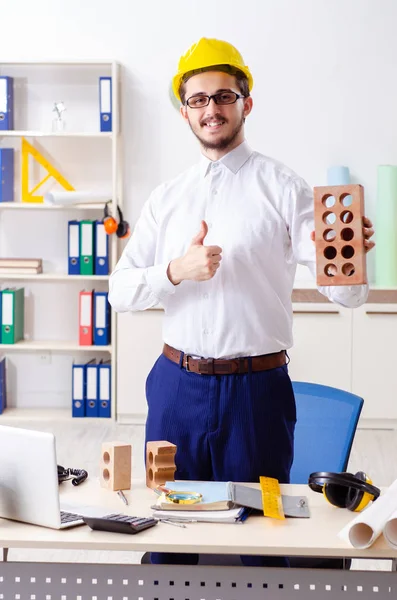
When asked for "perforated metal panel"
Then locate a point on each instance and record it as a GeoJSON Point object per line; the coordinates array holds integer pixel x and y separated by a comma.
{"type": "Point", "coordinates": [54, 581]}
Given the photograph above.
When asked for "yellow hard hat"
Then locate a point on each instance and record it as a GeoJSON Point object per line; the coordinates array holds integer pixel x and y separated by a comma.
{"type": "Point", "coordinates": [208, 53]}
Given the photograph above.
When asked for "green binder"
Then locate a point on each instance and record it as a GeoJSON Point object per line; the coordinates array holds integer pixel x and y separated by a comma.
{"type": "Point", "coordinates": [12, 315]}
{"type": "Point", "coordinates": [86, 247]}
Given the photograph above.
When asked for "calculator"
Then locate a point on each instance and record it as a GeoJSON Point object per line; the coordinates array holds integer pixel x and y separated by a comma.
{"type": "Point", "coordinates": [120, 523]}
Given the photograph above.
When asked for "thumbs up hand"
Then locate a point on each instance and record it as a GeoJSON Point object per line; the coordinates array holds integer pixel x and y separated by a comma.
{"type": "Point", "coordinates": [200, 262]}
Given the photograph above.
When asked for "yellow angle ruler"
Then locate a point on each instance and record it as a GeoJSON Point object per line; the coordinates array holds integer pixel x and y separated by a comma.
{"type": "Point", "coordinates": [28, 195]}
{"type": "Point", "coordinates": [271, 498]}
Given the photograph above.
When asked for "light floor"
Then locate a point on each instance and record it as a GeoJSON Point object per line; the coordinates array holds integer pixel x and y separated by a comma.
{"type": "Point", "coordinates": [374, 452]}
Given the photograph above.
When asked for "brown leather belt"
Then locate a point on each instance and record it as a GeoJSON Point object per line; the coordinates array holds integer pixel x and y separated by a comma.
{"type": "Point", "coordinates": [220, 366]}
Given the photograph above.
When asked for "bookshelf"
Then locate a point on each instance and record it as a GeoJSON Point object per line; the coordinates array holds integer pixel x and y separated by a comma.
{"type": "Point", "coordinates": [83, 154]}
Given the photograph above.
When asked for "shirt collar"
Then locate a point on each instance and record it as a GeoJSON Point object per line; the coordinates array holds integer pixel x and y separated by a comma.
{"type": "Point", "coordinates": [233, 160]}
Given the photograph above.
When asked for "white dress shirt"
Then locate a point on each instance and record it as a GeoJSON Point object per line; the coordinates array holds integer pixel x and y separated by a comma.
{"type": "Point", "coordinates": [261, 214]}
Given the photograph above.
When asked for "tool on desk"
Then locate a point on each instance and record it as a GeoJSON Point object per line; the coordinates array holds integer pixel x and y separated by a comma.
{"type": "Point", "coordinates": [175, 523]}
{"type": "Point", "coordinates": [121, 495]}
{"type": "Point", "coordinates": [119, 523]}
{"type": "Point", "coordinates": [251, 497]}
{"type": "Point", "coordinates": [345, 490]}
{"type": "Point", "coordinates": [179, 496]}
{"type": "Point", "coordinates": [271, 498]}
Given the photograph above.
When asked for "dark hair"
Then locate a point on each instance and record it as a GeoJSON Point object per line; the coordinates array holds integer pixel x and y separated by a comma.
{"type": "Point", "coordinates": [241, 79]}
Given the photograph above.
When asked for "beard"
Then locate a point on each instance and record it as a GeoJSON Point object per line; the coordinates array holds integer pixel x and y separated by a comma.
{"type": "Point", "coordinates": [222, 143]}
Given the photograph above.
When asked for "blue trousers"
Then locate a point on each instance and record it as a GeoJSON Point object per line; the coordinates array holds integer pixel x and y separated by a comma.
{"type": "Point", "coordinates": [225, 427]}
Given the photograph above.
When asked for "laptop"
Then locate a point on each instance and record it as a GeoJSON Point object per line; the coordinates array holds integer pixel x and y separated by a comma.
{"type": "Point", "coordinates": [29, 489]}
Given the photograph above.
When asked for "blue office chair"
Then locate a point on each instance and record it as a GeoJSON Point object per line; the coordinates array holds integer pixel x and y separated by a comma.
{"type": "Point", "coordinates": [326, 424]}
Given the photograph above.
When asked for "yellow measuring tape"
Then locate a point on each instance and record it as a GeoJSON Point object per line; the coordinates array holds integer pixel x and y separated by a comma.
{"type": "Point", "coordinates": [271, 498]}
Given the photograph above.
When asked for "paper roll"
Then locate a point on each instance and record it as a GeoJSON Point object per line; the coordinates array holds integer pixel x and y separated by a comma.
{"type": "Point", "coordinates": [362, 531]}
{"type": "Point", "coordinates": [386, 227]}
{"type": "Point", "coordinates": [390, 530]}
{"type": "Point", "coordinates": [338, 175]}
{"type": "Point", "coordinates": [75, 197]}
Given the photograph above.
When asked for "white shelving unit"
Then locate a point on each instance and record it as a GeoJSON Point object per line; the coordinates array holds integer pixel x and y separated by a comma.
{"type": "Point", "coordinates": [38, 134]}
{"type": "Point", "coordinates": [55, 346]}
{"type": "Point", "coordinates": [31, 107]}
{"type": "Point", "coordinates": [32, 206]}
{"type": "Point", "coordinates": [52, 277]}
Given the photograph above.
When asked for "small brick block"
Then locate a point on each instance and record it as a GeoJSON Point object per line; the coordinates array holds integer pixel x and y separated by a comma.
{"type": "Point", "coordinates": [340, 251]}
{"type": "Point", "coordinates": [160, 463]}
{"type": "Point", "coordinates": [115, 467]}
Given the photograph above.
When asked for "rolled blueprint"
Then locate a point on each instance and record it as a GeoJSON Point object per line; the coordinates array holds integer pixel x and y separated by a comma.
{"type": "Point", "coordinates": [362, 531]}
{"type": "Point", "coordinates": [390, 530]}
{"type": "Point", "coordinates": [386, 227]}
{"type": "Point", "coordinates": [76, 197]}
{"type": "Point", "coordinates": [338, 175]}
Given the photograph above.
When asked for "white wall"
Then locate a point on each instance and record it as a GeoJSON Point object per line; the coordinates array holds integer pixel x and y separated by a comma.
{"type": "Point", "coordinates": [325, 77]}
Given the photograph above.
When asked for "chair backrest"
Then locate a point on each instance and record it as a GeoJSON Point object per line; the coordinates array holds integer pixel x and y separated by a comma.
{"type": "Point", "coordinates": [326, 423]}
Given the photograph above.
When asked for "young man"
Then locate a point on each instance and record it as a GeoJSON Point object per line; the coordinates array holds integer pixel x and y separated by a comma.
{"type": "Point", "coordinates": [217, 247]}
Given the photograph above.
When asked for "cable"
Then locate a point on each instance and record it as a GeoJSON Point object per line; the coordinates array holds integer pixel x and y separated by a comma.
{"type": "Point", "coordinates": [79, 475]}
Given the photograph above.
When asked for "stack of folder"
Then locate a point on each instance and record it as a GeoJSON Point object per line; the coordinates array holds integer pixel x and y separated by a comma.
{"type": "Point", "coordinates": [88, 248]}
{"type": "Point", "coordinates": [94, 318]}
{"type": "Point", "coordinates": [3, 385]}
{"type": "Point", "coordinates": [21, 265]}
{"type": "Point", "coordinates": [216, 505]}
{"type": "Point", "coordinates": [91, 389]}
{"type": "Point", "coordinates": [12, 310]}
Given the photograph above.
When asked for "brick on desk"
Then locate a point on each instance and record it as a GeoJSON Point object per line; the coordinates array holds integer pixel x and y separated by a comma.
{"type": "Point", "coordinates": [115, 467]}
{"type": "Point", "coordinates": [160, 463]}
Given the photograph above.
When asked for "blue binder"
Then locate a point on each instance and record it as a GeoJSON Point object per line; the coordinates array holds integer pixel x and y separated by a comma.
{"type": "Point", "coordinates": [74, 248]}
{"type": "Point", "coordinates": [6, 103]}
{"type": "Point", "coordinates": [104, 389]}
{"type": "Point", "coordinates": [101, 319]}
{"type": "Point", "coordinates": [78, 392]}
{"type": "Point", "coordinates": [101, 249]}
{"type": "Point", "coordinates": [91, 389]}
{"type": "Point", "coordinates": [3, 385]}
{"type": "Point", "coordinates": [105, 103]}
{"type": "Point", "coordinates": [6, 174]}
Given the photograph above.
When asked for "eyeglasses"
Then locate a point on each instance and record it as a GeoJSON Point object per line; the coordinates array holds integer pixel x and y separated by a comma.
{"type": "Point", "coordinates": [200, 101]}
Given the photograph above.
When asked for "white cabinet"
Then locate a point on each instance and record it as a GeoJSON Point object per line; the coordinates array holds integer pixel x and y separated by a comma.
{"type": "Point", "coordinates": [322, 344]}
{"type": "Point", "coordinates": [139, 344]}
{"type": "Point", "coordinates": [374, 374]}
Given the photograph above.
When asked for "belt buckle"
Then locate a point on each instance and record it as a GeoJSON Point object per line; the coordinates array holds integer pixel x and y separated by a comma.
{"type": "Point", "coordinates": [187, 363]}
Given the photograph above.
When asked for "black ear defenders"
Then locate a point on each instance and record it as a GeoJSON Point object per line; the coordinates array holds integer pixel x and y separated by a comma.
{"type": "Point", "coordinates": [121, 229]}
{"type": "Point", "coordinates": [345, 490]}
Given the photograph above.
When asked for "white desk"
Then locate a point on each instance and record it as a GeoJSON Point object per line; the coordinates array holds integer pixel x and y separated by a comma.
{"type": "Point", "coordinates": [316, 537]}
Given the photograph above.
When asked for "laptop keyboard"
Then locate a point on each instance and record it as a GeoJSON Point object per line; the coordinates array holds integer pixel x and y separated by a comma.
{"type": "Point", "coordinates": [67, 517]}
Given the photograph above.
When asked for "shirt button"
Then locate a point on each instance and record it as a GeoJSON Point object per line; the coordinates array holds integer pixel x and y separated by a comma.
{"type": "Point", "coordinates": [205, 296]}
{"type": "Point", "coordinates": [215, 192]}
{"type": "Point", "coordinates": [209, 225]}
{"type": "Point", "coordinates": [206, 332]}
